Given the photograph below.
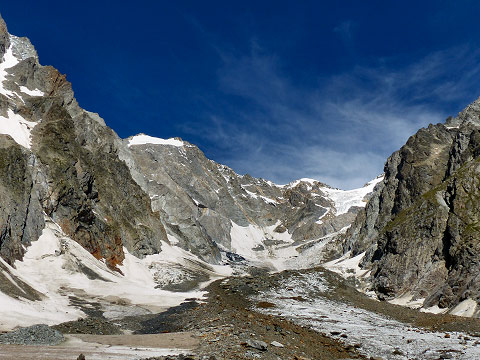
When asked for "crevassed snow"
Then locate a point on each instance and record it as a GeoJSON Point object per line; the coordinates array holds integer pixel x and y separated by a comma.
{"type": "Point", "coordinates": [345, 199]}
{"type": "Point", "coordinates": [9, 60]}
{"type": "Point", "coordinates": [58, 277]}
{"type": "Point", "coordinates": [17, 127]}
{"type": "Point", "coordinates": [35, 92]}
{"type": "Point", "coordinates": [143, 139]}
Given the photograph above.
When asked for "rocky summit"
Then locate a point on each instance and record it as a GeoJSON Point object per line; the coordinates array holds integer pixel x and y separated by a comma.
{"type": "Point", "coordinates": [117, 242]}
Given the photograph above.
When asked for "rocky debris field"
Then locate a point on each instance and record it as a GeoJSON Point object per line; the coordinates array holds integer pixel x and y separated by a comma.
{"type": "Point", "coordinates": [97, 326]}
{"type": "Point", "coordinates": [328, 304]}
{"type": "Point", "coordinates": [33, 335]}
{"type": "Point", "coordinates": [227, 326]}
{"type": "Point", "coordinates": [249, 318]}
{"type": "Point", "coordinates": [230, 328]}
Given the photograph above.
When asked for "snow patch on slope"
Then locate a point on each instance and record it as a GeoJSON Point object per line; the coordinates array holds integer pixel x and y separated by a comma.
{"type": "Point", "coordinates": [143, 139]}
{"type": "Point", "coordinates": [408, 300]}
{"type": "Point", "coordinates": [256, 196]}
{"type": "Point", "coordinates": [35, 92]}
{"type": "Point", "coordinates": [14, 124]}
{"type": "Point", "coordinates": [347, 266]}
{"type": "Point", "coordinates": [17, 127]}
{"type": "Point", "coordinates": [311, 253]}
{"type": "Point", "coordinates": [9, 61]}
{"type": "Point", "coordinates": [467, 307]}
{"type": "Point", "coordinates": [262, 245]}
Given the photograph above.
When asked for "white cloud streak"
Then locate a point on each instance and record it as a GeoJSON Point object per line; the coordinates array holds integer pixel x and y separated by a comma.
{"type": "Point", "coordinates": [341, 132]}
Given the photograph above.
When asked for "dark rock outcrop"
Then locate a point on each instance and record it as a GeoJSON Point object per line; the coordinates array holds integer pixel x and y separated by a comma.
{"type": "Point", "coordinates": [20, 210]}
{"type": "Point", "coordinates": [4, 37]}
{"type": "Point", "coordinates": [420, 230]}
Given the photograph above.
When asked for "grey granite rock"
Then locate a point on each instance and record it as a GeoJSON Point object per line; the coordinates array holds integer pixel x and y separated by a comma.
{"type": "Point", "coordinates": [20, 210]}
{"type": "Point", "coordinates": [199, 199]}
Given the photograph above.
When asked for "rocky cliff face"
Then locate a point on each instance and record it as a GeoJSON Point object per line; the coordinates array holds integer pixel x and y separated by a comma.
{"type": "Point", "coordinates": [62, 161]}
{"type": "Point", "coordinates": [202, 202]}
{"type": "Point", "coordinates": [4, 37]}
{"type": "Point", "coordinates": [20, 211]}
{"type": "Point", "coordinates": [419, 231]}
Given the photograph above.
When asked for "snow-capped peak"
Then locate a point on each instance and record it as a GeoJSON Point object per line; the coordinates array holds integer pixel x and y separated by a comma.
{"type": "Point", "coordinates": [142, 139]}
{"type": "Point", "coordinates": [345, 199]}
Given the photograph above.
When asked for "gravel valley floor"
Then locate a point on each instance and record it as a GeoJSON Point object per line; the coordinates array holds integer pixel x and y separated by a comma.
{"type": "Point", "coordinates": [311, 314]}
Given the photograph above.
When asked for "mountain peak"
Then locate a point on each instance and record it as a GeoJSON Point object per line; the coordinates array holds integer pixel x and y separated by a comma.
{"type": "Point", "coordinates": [469, 115]}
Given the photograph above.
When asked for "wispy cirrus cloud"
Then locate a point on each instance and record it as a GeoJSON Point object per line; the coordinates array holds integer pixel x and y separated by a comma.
{"type": "Point", "coordinates": [341, 131]}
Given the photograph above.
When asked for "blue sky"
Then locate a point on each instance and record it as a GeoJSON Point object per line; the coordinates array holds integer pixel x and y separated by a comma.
{"type": "Point", "coordinates": [277, 89]}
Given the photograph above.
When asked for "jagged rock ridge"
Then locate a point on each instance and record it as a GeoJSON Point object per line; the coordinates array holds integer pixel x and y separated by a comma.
{"type": "Point", "coordinates": [420, 230]}
{"type": "Point", "coordinates": [202, 201]}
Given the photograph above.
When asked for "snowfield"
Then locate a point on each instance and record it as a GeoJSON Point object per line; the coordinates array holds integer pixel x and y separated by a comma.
{"type": "Point", "coordinates": [9, 61]}
{"type": "Point", "coordinates": [54, 266]}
